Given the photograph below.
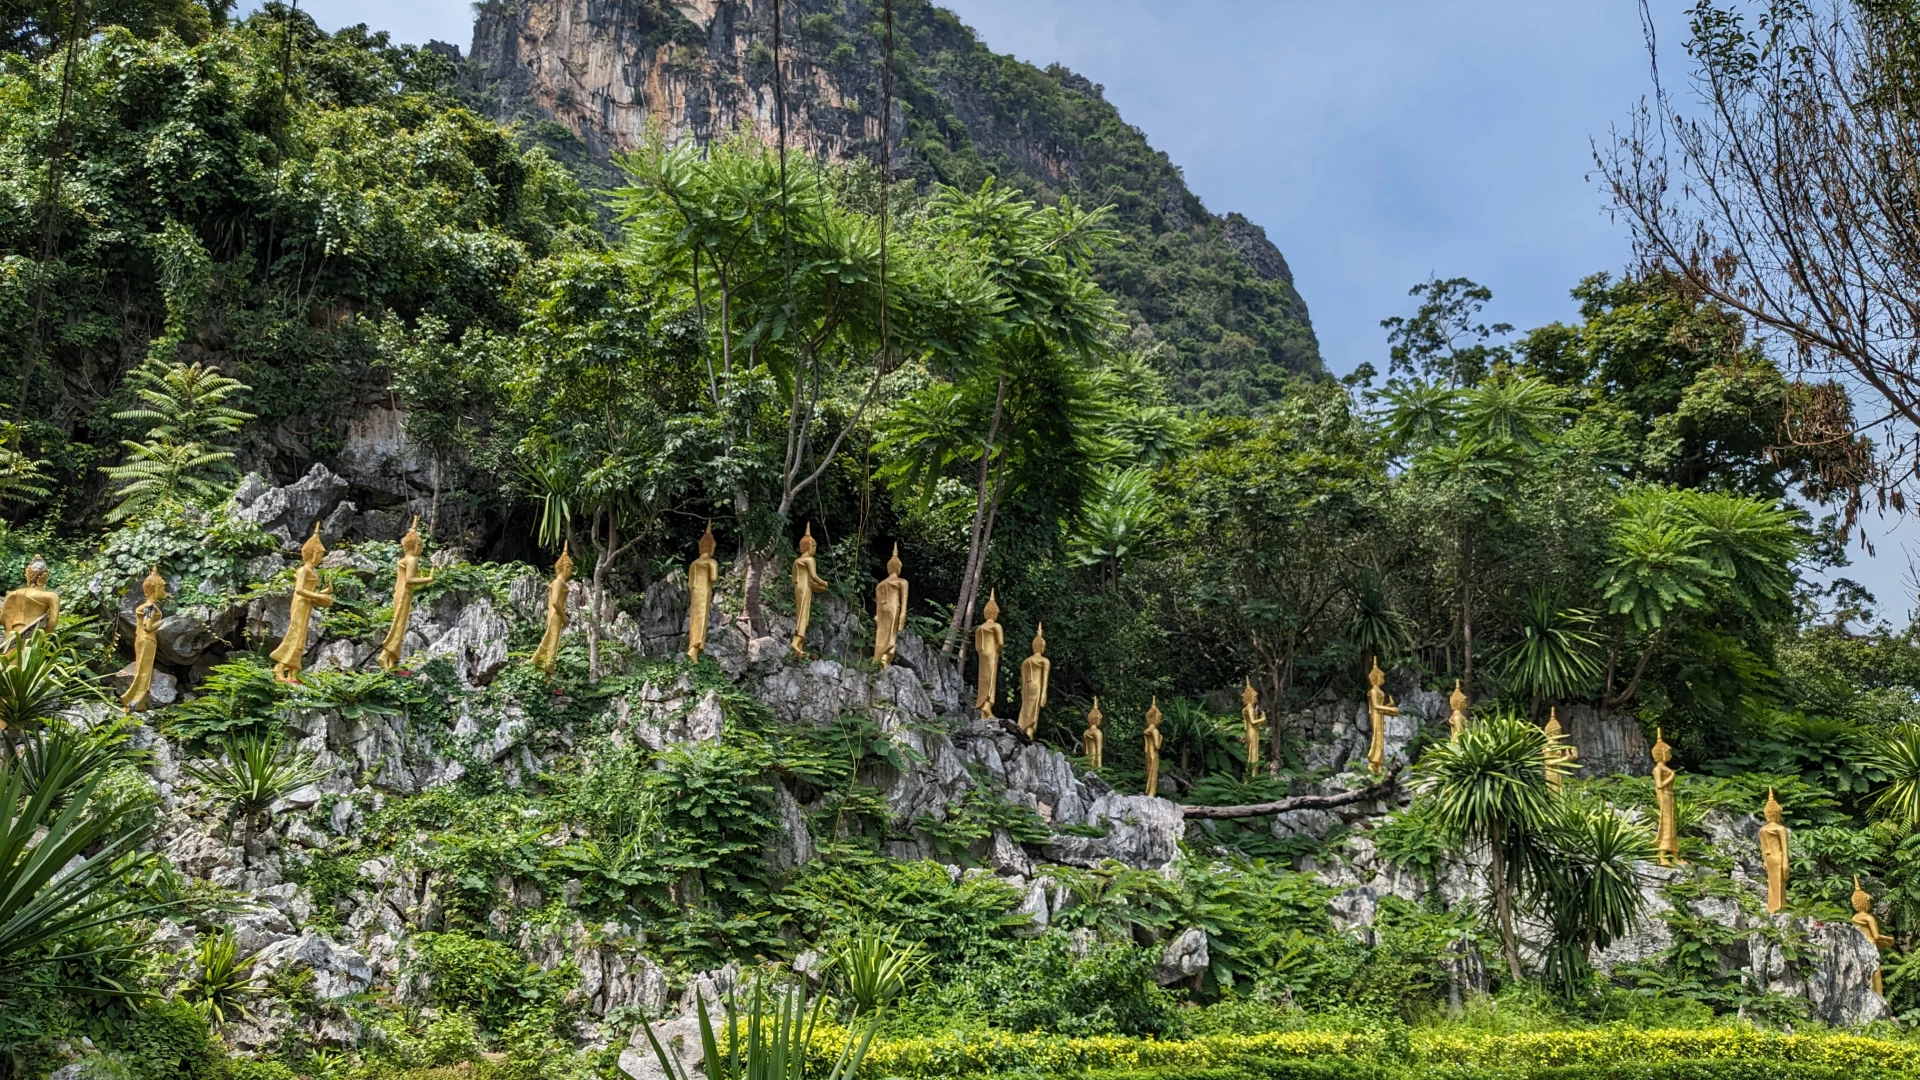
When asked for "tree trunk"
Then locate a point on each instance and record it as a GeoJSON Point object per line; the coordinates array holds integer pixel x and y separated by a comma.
{"type": "Point", "coordinates": [1466, 617]}
{"type": "Point", "coordinates": [1503, 903]}
{"type": "Point", "coordinates": [981, 532]}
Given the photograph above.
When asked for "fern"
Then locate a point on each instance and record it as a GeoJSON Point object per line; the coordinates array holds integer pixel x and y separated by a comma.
{"type": "Point", "coordinates": [182, 455]}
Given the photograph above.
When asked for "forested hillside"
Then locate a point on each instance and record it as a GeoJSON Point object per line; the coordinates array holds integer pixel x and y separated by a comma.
{"type": "Point", "coordinates": [1213, 290]}
{"type": "Point", "coordinates": [468, 622]}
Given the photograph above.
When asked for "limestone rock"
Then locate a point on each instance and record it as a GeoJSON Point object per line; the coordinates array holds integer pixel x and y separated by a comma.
{"type": "Point", "coordinates": [287, 513]}
{"type": "Point", "coordinates": [1839, 985]}
{"type": "Point", "coordinates": [791, 845]}
{"type": "Point", "coordinates": [465, 630]}
{"type": "Point", "coordinates": [1034, 907]}
{"type": "Point", "coordinates": [163, 689]}
{"type": "Point", "coordinates": [1142, 831]}
{"type": "Point", "coordinates": [1183, 958]}
{"type": "Point", "coordinates": [337, 970]}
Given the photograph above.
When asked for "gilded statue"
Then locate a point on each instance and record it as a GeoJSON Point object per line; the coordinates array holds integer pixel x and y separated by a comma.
{"type": "Point", "coordinates": [1379, 707]}
{"type": "Point", "coordinates": [889, 610]}
{"type": "Point", "coordinates": [988, 639]}
{"type": "Point", "coordinates": [1870, 926]}
{"type": "Point", "coordinates": [406, 578]}
{"type": "Point", "coordinates": [1093, 740]}
{"type": "Point", "coordinates": [806, 582]}
{"type": "Point", "coordinates": [31, 607]}
{"type": "Point", "coordinates": [1250, 719]}
{"type": "Point", "coordinates": [1667, 840]}
{"type": "Point", "coordinates": [548, 653]}
{"type": "Point", "coordinates": [1152, 739]}
{"type": "Point", "coordinates": [1561, 755]}
{"type": "Point", "coordinates": [1773, 852]}
{"type": "Point", "coordinates": [1035, 670]}
{"type": "Point", "coordinates": [146, 641]}
{"type": "Point", "coordinates": [1457, 718]}
{"type": "Point", "coordinates": [291, 656]}
{"type": "Point", "coordinates": [701, 575]}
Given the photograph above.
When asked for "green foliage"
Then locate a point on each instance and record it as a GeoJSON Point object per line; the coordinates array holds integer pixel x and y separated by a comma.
{"type": "Point", "coordinates": [252, 772]}
{"type": "Point", "coordinates": [63, 871]}
{"type": "Point", "coordinates": [221, 980]}
{"type": "Point", "coordinates": [170, 1041]}
{"type": "Point", "coordinates": [37, 681]}
{"type": "Point", "coordinates": [183, 451]}
{"type": "Point", "coordinates": [773, 1040]}
{"type": "Point", "coordinates": [873, 968]}
{"type": "Point", "coordinates": [1044, 985]}
{"type": "Point", "coordinates": [489, 980]}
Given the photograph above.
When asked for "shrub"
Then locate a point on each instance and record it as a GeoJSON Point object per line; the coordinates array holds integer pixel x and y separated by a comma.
{"type": "Point", "coordinates": [487, 979]}
{"type": "Point", "coordinates": [1044, 986]}
{"type": "Point", "coordinates": [170, 1041]}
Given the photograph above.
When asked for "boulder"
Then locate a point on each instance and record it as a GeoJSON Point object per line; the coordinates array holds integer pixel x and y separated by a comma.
{"type": "Point", "coordinates": [679, 1036]}
{"type": "Point", "coordinates": [465, 630]}
{"type": "Point", "coordinates": [1838, 984]}
{"type": "Point", "coordinates": [338, 971]}
{"type": "Point", "coordinates": [1033, 907]}
{"type": "Point", "coordinates": [162, 689]}
{"type": "Point", "coordinates": [287, 513]}
{"type": "Point", "coordinates": [1141, 831]}
{"type": "Point", "coordinates": [1183, 958]}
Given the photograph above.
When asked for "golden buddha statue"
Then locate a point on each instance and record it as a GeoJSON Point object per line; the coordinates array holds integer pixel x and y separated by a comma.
{"type": "Point", "coordinates": [1250, 720]}
{"type": "Point", "coordinates": [547, 654]}
{"type": "Point", "coordinates": [1379, 707]}
{"type": "Point", "coordinates": [1667, 840]}
{"type": "Point", "coordinates": [701, 575]}
{"type": "Point", "coordinates": [1093, 740]}
{"type": "Point", "coordinates": [146, 641]}
{"type": "Point", "coordinates": [291, 656]}
{"type": "Point", "coordinates": [407, 577]}
{"type": "Point", "coordinates": [1773, 853]}
{"type": "Point", "coordinates": [1035, 671]}
{"type": "Point", "coordinates": [1870, 926]}
{"type": "Point", "coordinates": [1152, 738]}
{"type": "Point", "coordinates": [31, 607]}
{"type": "Point", "coordinates": [889, 610]}
{"type": "Point", "coordinates": [1561, 755]}
{"type": "Point", "coordinates": [1457, 718]}
{"type": "Point", "coordinates": [806, 582]}
{"type": "Point", "coordinates": [988, 639]}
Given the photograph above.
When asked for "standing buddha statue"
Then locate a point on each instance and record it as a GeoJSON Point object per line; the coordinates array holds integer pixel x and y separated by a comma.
{"type": "Point", "coordinates": [1667, 840]}
{"type": "Point", "coordinates": [1561, 755]}
{"type": "Point", "coordinates": [1035, 672]}
{"type": "Point", "coordinates": [1773, 853]}
{"type": "Point", "coordinates": [31, 607]}
{"type": "Point", "coordinates": [1152, 738]}
{"type": "Point", "coordinates": [889, 611]}
{"type": "Point", "coordinates": [1250, 720]}
{"type": "Point", "coordinates": [1870, 926]}
{"type": "Point", "coordinates": [406, 578]}
{"type": "Point", "coordinates": [701, 575]}
{"type": "Point", "coordinates": [290, 657]}
{"type": "Point", "coordinates": [1457, 717]}
{"type": "Point", "coordinates": [548, 653]}
{"type": "Point", "coordinates": [806, 582]}
{"type": "Point", "coordinates": [146, 641]}
{"type": "Point", "coordinates": [1379, 707]}
{"type": "Point", "coordinates": [1093, 740]}
{"type": "Point", "coordinates": [988, 639]}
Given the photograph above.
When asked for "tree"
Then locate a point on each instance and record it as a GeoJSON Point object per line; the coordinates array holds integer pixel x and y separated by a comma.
{"type": "Point", "coordinates": [1441, 339]}
{"type": "Point", "coordinates": [1587, 881]}
{"type": "Point", "coordinates": [1784, 197]}
{"type": "Point", "coordinates": [1487, 788]}
{"type": "Point", "coordinates": [1026, 398]}
{"type": "Point", "coordinates": [252, 772]}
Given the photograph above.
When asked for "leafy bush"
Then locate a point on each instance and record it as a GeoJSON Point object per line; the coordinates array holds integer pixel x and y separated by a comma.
{"type": "Point", "coordinates": [170, 1041]}
{"type": "Point", "coordinates": [1044, 985]}
{"type": "Point", "coordinates": [488, 979]}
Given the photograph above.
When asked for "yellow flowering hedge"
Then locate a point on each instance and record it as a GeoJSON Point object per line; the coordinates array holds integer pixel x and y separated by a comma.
{"type": "Point", "coordinates": [969, 1054]}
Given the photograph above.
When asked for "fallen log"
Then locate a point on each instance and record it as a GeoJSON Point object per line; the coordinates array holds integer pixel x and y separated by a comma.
{"type": "Point", "coordinates": [1297, 802]}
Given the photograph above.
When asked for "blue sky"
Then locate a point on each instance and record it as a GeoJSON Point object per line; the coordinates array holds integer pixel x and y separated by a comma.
{"type": "Point", "coordinates": [1378, 141]}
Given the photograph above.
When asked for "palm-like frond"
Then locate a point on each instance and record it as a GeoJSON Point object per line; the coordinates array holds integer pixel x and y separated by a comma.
{"type": "Point", "coordinates": [1489, 782]}
{"type": "Point", "coordinates": [188, 403]}
{"type": "Point", "coordinates": [1898, 756]}
{"type": "Point", "coordinates": [1556, 657]}
{"type": "Point", "coordinates": [874, 967]}
{"type": "Point", "coordinates": [21, 479]}
{"type": "Point", "coordinates": [252, 772]}
{"type": "Point", "coordinates": [61, 870]}
{"type": "Point", "coordinates": [37, 680]}
{"type": "Point", "coordinates": [772, 1041]}
{"type": "Point", "coordinates": [1119, 517]}
{"type": "Point", "coordinates": [1589, 883]}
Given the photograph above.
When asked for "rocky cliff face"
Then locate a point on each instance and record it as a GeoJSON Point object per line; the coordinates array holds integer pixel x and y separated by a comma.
{"type": "Point", "coordinates": [593, 77]}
